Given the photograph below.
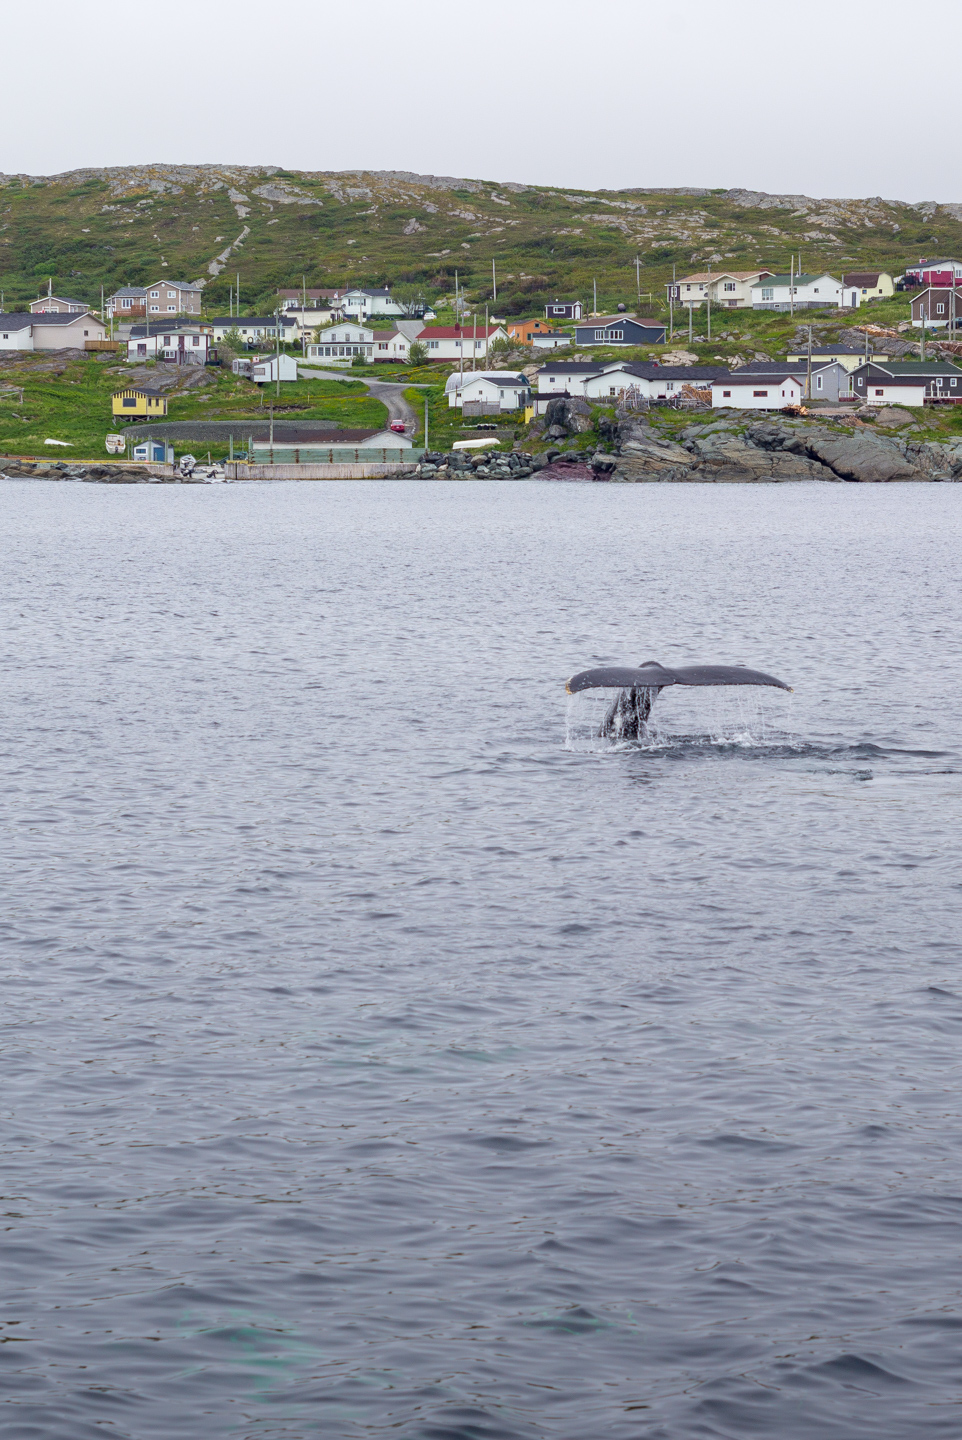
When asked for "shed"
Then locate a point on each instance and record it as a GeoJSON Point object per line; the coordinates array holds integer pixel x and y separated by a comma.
{"type": "Point", "coordinates": [138, 401]}
{"type": "Point", "coordinates": [755, 392]}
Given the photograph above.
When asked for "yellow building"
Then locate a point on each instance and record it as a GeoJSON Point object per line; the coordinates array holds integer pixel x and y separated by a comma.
{"type": "Point", "coordinates": [860, 286]}
{"type": "Point", "coordinates": [139, 401]}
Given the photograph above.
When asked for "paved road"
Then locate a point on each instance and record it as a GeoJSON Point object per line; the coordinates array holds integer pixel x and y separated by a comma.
{"type": "Point", "coordinates": [390, 393]}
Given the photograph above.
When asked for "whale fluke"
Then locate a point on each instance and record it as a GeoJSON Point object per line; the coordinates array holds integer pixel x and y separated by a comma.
{"type": "Point", "coordinates": [638, 687]}
{"type": "Point", "coordinates": [652, 676]}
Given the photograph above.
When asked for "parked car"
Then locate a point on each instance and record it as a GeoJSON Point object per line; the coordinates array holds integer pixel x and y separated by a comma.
{"type": "Point", "coordinates": [397, 426]}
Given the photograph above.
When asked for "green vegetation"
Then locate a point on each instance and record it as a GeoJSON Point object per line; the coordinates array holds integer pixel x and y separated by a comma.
{"type": "Point", "coordinates": [89, 230]}
{"type": "Point", "coordinates": [69, 400]}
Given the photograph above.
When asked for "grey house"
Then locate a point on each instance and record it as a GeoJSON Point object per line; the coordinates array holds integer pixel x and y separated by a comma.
{"type": "Point", "coordinates": [830, 382]}
{"type": "Point", "coordinates": [563, 310]}
{"type": "Point", "coordinates": [619, 330]}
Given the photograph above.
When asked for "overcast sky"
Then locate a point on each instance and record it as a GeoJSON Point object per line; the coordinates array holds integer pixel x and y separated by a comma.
{"type": "Point", "coordinates": [822, 98]}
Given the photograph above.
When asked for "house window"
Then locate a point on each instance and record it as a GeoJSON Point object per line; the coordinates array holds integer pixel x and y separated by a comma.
{"type": "Point", "coordinates": [130, 402]}
{"type": "Point", "coordinates": [141, 349]}
{"type": "Point", "coordinates": [818, 382]}
{"type": "Point", "coordinates": [155, 294]}
{"type": "Point", "coordinates": [433, 344]}
{"type": "Point", "coordinates": [726, 394]}
{"type": "Point", "coordinates": [940, 309]}
{"type": "Point", "coordinates": [760, 394]}
{"type": "Point", "coordinates": [196, 339]}
{"type": "Point", "coordinates": [125, 304]}
{"type": "Point", "coordinates": [952, 382]}
{"type": "Point", "coordinates": [880, 392]}
{"type": "Point", "coordinates": [172, 307]}
{"type": "Point", "coordinates": [612, 391]}
{"type": "Point", "coordinates": [86, 332]}
{"type": "Point", "coordinates": [171, 294]}
{"type": "Point", "coordinates": [729, 286]}
{"type": "Point", "coordinates": [614, 334]}
{"type": "Point", "coordinates": [768, 294]}
{"type": "Point", "coordinates": [154, 307]}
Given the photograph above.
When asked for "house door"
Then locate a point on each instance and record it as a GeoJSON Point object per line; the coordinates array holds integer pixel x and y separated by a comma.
{"type": "Point", "coordinates": [854, 300]}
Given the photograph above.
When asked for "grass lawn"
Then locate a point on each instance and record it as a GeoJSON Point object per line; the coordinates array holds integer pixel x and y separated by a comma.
{"type": "Point", "coordinates": [69, 400]}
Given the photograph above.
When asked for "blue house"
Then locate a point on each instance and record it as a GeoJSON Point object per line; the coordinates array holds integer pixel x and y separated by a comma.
{"type": "Point", "coordinates": [619, 330]}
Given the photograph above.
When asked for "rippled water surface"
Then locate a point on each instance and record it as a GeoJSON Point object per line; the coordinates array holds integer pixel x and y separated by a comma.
{"type": "Point", "coordinates": [385, 1056]}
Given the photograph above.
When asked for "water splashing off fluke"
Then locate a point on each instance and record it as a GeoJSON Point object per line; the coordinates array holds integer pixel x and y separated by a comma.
{"type": "Point", "coordinates": [639, 686]}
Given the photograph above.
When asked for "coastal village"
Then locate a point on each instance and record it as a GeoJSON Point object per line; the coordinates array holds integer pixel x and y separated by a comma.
{"type": "Point", "coordinates": [565, 392]}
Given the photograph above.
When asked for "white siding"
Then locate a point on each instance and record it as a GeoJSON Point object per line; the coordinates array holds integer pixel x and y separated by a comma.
{"type": "Point", "coordinates": [756, 394]}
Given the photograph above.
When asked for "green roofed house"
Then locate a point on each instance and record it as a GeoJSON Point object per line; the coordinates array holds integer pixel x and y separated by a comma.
{"type": "Point", "coordinates": [908, 382]}
{"type": "Point", "coordinates": [801, 292]}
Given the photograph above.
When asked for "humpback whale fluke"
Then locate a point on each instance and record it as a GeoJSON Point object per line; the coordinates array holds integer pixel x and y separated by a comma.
{"type": "Point", "coordinates": [638, 686]}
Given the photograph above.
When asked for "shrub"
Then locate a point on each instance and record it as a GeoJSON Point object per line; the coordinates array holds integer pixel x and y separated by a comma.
{"type": "Point", "coordinates": [418, 353]}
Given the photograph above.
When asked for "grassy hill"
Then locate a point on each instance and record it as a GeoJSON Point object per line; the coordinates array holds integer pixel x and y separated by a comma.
{"type": "Point", "coordinates": [108, 227]}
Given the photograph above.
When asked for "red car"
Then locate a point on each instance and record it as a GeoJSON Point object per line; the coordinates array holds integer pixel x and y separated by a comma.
{"type": "Point", "coordinates": [397, 426]}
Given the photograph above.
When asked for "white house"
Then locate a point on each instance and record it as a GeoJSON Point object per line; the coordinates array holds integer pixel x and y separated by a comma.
{"type": "Point", "coordinates": [554, 340]}
{"type": "Point", "coordinates": [253, 329]}
{"type": "Point", "coordinates": [731, 289]}
{"type": "Point", "coordinates": [496, 390]}
{"type": "Point", "coordinates": [567, 377]}
{"type": "Point", "coordinates": [811, 292]}
{"type": "Point", "coordinates": [272, 367]}
{"type": "Point", "coordinates": [390, 345]}
{"type": "Point", "coordinates": [359, 304]}
{"type": "Point", "coordinates": [308, 321]}
{"type": "Point", "coordinates": [339, 344]}
{"type": "Point", "coordinates": [51, 331]}
{"type": "Point", "coordinates": [756, 392]}
{"type": "Point", "coordinates": [655, 382]}
{"type": "Point", "coordinates": [177, 344]}
{"type": "Point", "coordinates": [457, 342]}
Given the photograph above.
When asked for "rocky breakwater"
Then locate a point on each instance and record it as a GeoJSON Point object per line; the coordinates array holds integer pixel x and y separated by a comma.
{"type": "Point", "coordinates": [775, 450]}
{"type": "Point", "coordinates": [95, 473]}
{"type": "Point", "coordinates": [470, 464]}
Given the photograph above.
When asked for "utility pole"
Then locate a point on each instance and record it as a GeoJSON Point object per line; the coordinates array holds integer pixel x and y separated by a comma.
{"type": "Point", "coordinates": [474, 341]}
{"type": "Point", "coordinates": [494, 280]}
{"type": "Point", "coordinates": [691, 320]}
{"type": "Point", "coordinates": [595, 284]}
{"type": "Point", "coordinates": [487, 340]}
{"type": "Point", "coordinates": [638, 278]}
{"type": "Point", "coordinates": [230, 301]}
{"type": "Point", "coordinates": [808, 381]}
{"type": "Point", "coordinates": [303, 313]}
{"type": "Point", "coordinates": [708, 299]}
{"type": "Point", "coordinates": [791, 288]}
{"type": "Point", "coordinates": [277, 326]}
{"type": "Point", "coordinates": [426, 422]}
{"type": "Point", "coordinates": [671, 307]}
{"type": "Point", "coordinates": [237, 295]}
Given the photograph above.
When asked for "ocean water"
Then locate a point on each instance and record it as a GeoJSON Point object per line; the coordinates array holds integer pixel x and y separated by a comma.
{"type": "Point", "coordinates": [385, 1055]}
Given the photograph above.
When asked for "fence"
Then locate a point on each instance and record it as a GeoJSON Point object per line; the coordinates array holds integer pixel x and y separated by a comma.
{"type": "Point", "coordinates": [333, 455]}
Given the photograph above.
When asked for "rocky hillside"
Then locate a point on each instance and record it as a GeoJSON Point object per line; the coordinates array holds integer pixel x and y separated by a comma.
{"type": "Point", "coordinates": [107, 227]}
